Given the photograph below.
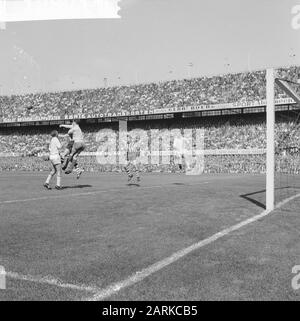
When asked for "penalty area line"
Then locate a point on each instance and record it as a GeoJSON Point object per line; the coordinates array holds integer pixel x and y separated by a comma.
{"type": "Point", "coordinates": [146, 272]}
{"type": "Point", "coordinates": [48, 280]}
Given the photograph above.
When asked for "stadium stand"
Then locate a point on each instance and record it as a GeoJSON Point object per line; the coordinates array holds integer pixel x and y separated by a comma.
{"type": "Point", "coordinates": [230, 132]}
{"type": "Point", "coordinates": [234, 132]}
{"type": "Point", "coordinates": [187, 92]}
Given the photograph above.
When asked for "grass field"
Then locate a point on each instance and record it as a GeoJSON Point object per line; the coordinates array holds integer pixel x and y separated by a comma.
{"type": "Point", "coordinates": [174, 237]}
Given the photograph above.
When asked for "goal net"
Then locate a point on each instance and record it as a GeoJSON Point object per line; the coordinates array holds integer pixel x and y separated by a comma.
{"type": "Point", "coordinates": [287, 143]}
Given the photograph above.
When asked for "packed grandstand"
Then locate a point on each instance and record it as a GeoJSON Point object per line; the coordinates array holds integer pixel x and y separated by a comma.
{"type": "Point", "coordinates": [234, 124]}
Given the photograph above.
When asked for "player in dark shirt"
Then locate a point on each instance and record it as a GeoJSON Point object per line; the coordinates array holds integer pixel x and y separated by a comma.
{"type": "Point", "coordinates": [65, 158]}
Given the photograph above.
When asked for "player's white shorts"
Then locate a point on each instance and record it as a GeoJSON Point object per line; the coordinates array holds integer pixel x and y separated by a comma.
{"type": "Point", "coordinates": [55, 159]}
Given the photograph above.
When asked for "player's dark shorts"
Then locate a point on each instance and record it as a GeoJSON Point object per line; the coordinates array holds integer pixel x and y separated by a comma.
{"type": "Point", "coordinates": [78, 148]}
{"type": "Point", "coordinates": [70, 145]}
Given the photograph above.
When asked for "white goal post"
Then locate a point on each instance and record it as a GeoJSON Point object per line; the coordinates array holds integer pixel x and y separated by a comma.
{"type": "Point", "coordinates": [270, 161]}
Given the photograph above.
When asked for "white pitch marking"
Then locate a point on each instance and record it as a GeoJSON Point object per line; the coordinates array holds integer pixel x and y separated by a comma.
{"type": "Point", "coordinates": [141, 275]}
{"type": "Point", "coordinates": [91, 193]}
{"type": "Point", "coordinates": [51, 281]}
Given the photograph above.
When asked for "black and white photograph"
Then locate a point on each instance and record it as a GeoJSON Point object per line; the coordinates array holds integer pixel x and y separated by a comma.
{"type": "Point", "coordinates": [149, 152]}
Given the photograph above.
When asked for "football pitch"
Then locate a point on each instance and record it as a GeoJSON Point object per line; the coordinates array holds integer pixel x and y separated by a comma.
{"type": "Point", "coordinates": [174, 237]}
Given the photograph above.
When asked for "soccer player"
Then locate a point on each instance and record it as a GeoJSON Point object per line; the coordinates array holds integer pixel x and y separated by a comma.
{"type": "Point", "coordinates": [78, 145]}
{"type": "Point", "coordinates": [55, 160]}
{"type": "Point", "coordinates": [68, 149]}
{"type": "Point", "coordinates": [178, 148]}
{"type": "Point", "coordinates": [132, 155]}
{"type": "Point", "coordinates": [65, 156]}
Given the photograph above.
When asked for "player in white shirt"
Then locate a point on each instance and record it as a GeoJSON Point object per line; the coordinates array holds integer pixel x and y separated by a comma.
{"type": "Point", "coordinates": [78, 146]}
{"type": "Point", "coordinates": [178, 149]}
{"type": "Point", "coordinates": [55, 159]}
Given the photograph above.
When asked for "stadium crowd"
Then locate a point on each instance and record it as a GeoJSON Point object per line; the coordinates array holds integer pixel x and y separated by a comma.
{"type": "Point", "coordinates": [230, 133]}
{"type": "Point", "coordinates": [248, 86]}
